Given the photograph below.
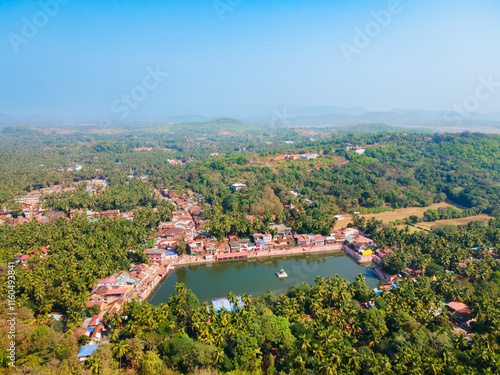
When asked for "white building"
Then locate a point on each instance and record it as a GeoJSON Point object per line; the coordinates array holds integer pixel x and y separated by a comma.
{"type": "Point", "coordinates": [309, 156]}
{"type": "Point", "coordinates": [237, 186]}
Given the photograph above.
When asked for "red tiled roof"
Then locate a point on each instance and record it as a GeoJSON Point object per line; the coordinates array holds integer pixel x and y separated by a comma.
{"type": "Point", "coordinates": [232, 255]}
{"type": "Point", "coordinates": [457, 306]}
{"type": "Point", "coordinates": [97, 330]}
{"type": "Point", "coordinates": [362, 239]}
{"type": "Point", "coordinates": [110, 212]}
{"type": "Point", "coordinates": [96, 319]}
{"type": "Point", "coordinates": [80, 331]}
{"type": "Point", "coordinates": [141, 267]}
{"type": "Point", "coordinates": [114, 309]}
{"type": "Point", "coordinates": [109, 279]}
{"type": "Point", "coordinates": [101, 290]}
{"type": "Point", "coordinates": [118, 291]}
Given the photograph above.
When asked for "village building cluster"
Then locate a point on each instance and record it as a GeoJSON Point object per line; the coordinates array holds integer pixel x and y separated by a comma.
{"type": "Point", "coordinates": [355, 148]}
{"type": "Point", "coordinates": [31, 206]}
{"type": "Point", "coordinates": [189, 228]}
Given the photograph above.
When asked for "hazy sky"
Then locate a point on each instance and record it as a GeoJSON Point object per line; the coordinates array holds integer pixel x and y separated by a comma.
{"type": "Point", "coordinates": [78, 58]}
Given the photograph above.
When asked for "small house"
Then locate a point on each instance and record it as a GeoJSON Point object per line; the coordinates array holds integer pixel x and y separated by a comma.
{"type": "Point", "coordinates": [86, 351]}
{"type": "Point", "coordinates": [156, 255]}
{"type": "Point", "coordinates": [282, 229]}
{"type": "Point", "coordinates": [238, 186]}
{"type": "Point", "coordinates": [318, 239]}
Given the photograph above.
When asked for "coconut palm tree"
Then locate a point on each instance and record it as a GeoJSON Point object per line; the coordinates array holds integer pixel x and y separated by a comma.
{"type": "Point", "coordinates": [233, 300]}
{"type": "Point", "coordinates": [306, 343]}
{"type": "Point", "coordinates": [119, 350]}
{"type": "Point", "coordinates": [114, 334]}
{"type": "Point", "coordinates": [94, 365]}
{"type": "Point", "coordinates": [218, 356]}
{"type": "Point", "coordinates": [318, 352]}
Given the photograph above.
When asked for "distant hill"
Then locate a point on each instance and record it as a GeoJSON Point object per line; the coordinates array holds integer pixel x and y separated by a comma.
{"type": "Point", "coordinates": [220, 124]}
{"type": "Point", "coordinates": [322, 117]}
{"type": "Point", "coordinates": [284, 117]}
{"type": "Point", "coordinates": [381, 128]}
{"type": "Point", "coordinates": [223, 123]}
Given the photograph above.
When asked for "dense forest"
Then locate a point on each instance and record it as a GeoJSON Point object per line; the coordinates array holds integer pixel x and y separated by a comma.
{"type": "Point", "coordinates": [79, 253]}
{"type": "Point", "coordinates": [397, 170]}
{"type": "Point", "coordinates": [325, 328]}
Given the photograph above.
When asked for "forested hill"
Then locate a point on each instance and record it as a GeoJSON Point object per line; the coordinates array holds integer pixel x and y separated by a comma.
{"type": "Point", "coordinates": [397, 169]}
{"type": "Point", "coordinates": [301, 178]}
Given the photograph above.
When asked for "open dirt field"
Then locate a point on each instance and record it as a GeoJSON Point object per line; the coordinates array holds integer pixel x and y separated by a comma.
{"type": "Point", "coordinates": [313, 133]}
{"type": "Point", "coordinates": [461, 221]}
{"type": "Point", "coordinates": [343, 223]}
{"type": "Point", "coordinates": [54, 130]}
{"type": "Point", "coordinates": [402, 213]}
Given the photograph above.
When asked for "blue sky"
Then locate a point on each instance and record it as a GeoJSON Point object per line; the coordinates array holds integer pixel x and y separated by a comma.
{"type": "Point", "coordinates": [229, 56]}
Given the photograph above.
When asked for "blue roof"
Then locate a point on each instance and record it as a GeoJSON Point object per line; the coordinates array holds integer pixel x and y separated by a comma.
{"type": "Point", "coordinates": [261, 241]}
{"type": "Point", "coordinates": [86, 351]}
{"type": "Point", "coordinates": [173, 252]}
{"type": "Point", "coordinates": [221, 303]}
{"type": "Point", "coordinates": [91, 329]}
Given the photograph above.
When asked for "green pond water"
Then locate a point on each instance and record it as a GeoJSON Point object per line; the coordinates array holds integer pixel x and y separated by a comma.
{"type": "Point", "coordinates": [255, 277]}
